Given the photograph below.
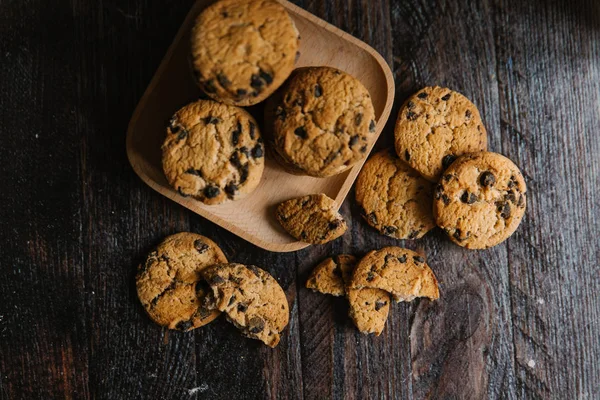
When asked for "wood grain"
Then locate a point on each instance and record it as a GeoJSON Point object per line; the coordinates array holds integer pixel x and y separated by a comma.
{"type": "Point", "coordinates": [519, 321]}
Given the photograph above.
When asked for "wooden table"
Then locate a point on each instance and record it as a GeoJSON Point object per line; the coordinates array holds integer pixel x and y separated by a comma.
{"type": "Point", "coordinates": [521, 320]}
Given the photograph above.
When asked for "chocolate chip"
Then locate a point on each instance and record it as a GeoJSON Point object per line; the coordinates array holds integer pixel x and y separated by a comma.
{"type": "Point", "coordinates": [256, 82]}
{"type": "Point", "coordinates": [235, 135]}
{"type": "Point", "coordinates": [255, 271]}
{"type": "Point", "coordinates": [379, 305]}
{"type": "Point", "coordinates": [457, 234]}
{"type": "Point", "coordinates": [303, 235]}
{"type": "Point", "coordinates": [173, 126]}
{"type": "Point", "coordinates": [358, 119]}
{"type": "Point", "coordinates": [419, 259]}
{"type": "Point", "coordinates": [504, 209]}
{"type": "Point", "coordinates": [231, 300]}
{"type": "Point", "coordinates": [510, 196]}
{"type": "Point", "coordinates": [252, 130]}
{"type": "Point", "coordinates": [411, 116]}
{"type": "Point", "coordinates": [280, 113]}
{"type": "Point", "coordinates": [372, 126]}
{"type": "Point", "coordinates": [244, 173]}
{"type": "Point", "coordinates": [301, 132]}
{"type": "Point", "coordinates": [235, 160]}
{"type": "Point", "coordinates": [406, 155]}
{"type": "Point", "coordinates": [231, 189]}
{"type": "Point", "coordinates": [212, 120]}
{"type": "Point", "coordinates": [244, 150]}
{"type": "Point", "coordinates": [211, 192]}
{"type": "Point", "coordinates": [446, 97]}
{"type": "Point", "coordinates": [182, 135]}
{"type": "Point", "coordinates": [388, 257]}
{"type": "Point", "coordinates": [215, 280]}
{"type": "Point", "coordinates": [511, 183]}
{"type": "Point", "coordinates": [353, 140]}
{"type": "Point", "coordinates": [181, 193]}
{"type": "Point", "coordinates": [389, 230]}
{"type": "Point", "coordinates": [223, 81]}
{"type": "Point", "coordinates": [265, 76]}
{"type": "Point", "coordinates": [203, 312]}
{"type": "Point", "coordinates": [422, 95]}
{"type": "Point", "coordinates": [468, 114]}
{"type": "Point", "coordinates": [224, 14]}
{"type": "Point", "coordinates": [318, 90]}
{"type": "Point", "coordinates": [200, 246]}
{"type": "Point", "coordinates": [438, 191]}
{"type": "Point", "coordinates": [256, 325]}
{"type": "Point", "coordinates": [521, 202]}
{"type": "Point", "coordinates": [447, 177]}
{"type": "Point", "coordinates": [183, 325]}
{"type": "Point", "coordinates": [468, 198]}
{"type": "Point", "coordinates": [487, 179]}
{"type": "Point", "coordinates": [257, 151]}
{"type": "Point", "coordinates": [363, 149]}
{"type": "Point", "coordinates": [402, 258]}
{"type": "Point", "coordinates": [372, 218]}
{"type": "Point", "coordinates": [410, 105]}
{"type": "Point", "coordinates": [334, 224]}
{"type": "Point", "coordinates": [447, 160]}
{"type": "Point", "coordinates": [241, 92]}
{"type": "Point", "coordinates": [370, 276]}
{"type": "Point", "coordinates": [445, 199]}
{"type": "Point", "coordinates": [242, 307]}
{"type": "Point", "coordinates": [332, 156]}
{"type": "Point", "coordinates": [209, 86]}
{"type": "Point", "coordinates": [414, 234]}
{"type": "Point", "coordinates": [193, 171]}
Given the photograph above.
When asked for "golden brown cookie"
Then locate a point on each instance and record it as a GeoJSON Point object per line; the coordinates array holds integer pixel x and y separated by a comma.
{"type": "Point", "coordinates": [480, 200]}
{"type": "Point", "coordinates": [394, 198]}
{"type": "Point", "coordinates": [243, 50]}
{"type": "Point", "coordinates": [311, 219]}
{"type": "Point", "coordinates": [324, 121]}
{"type": "Point", "coordinates": [436, 125]}
{"type": "Point", "coordinates": [401, 272]}
{"type": "Point", "coordinates": [169, 283]}
{"type": "Point", "coordinates": [252, 299]}
{"type": "Point", "coordinates": [369, 308]}
{"type": "Point", "coordinates": [213, 152]}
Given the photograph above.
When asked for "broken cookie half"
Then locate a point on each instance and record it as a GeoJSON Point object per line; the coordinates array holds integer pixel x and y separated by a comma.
{"type": "Point", "coordinates": [369, 308]}
{"type": "Point", "coordinates": [311, 219]}
{"type": "Point", "coordinates": [251, 298]}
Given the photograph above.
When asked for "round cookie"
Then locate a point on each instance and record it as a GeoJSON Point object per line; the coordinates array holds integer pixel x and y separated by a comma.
{"type": "Point", "coordinates": [253, 300]}
{"type": "Point", "coordinates": [169, 283]}
{"type": "Point", "coordinates": [311, 219]}
{"type": "Point", "coordinates": [243, 50]}
{"type": "Point", "coordinates": [213, 152]}
{"type": "Point", "coordinates": [401, 272]}
{"type": "Point", "coordinates": [394, 198]}
{"type": "Point", "coordinates": [331, 275]}
{"type": "Point", "coordinates": [480, 200]}
{"type": "Point", "coordinates": [436, 125]}
{"type": "Point", "coordinates": [324, 121]}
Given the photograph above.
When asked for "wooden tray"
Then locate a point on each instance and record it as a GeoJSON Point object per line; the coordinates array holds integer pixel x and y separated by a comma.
{"type": "Point", "coordinates": [252, 218]}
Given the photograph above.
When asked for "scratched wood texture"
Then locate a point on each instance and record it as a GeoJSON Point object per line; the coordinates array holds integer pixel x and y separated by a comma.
{"type": "Point", "coordinates": [521, 320]}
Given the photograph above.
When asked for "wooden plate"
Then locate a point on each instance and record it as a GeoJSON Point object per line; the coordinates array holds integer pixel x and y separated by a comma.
{"type": "Point", "coordinates": [252, 218]}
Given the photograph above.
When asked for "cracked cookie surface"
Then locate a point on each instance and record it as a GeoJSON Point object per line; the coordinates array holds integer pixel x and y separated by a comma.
{"type": "Point", "coordinates": [480, 200]}
{"type": "Point", "coordinates": [401, 272]}
{"type": "Point", "coordinates": [169, 284]}
{"type": "Point", "coordinates": [213, 152]}
{"type": "Point", "coordinates": [324, 121]}
{"type": "Point", "coordinates": [243, 50]}
{"type": "Point", "coordinates": [252, 299]}
{"type": "Point", "coordinates": [369, 308]}
{"type": "Point", "coordinates": [436, 125]}
{"type": "Point", "coordinates": [395, 199]}
{"type": "Point", "coordinates": [311, 218]}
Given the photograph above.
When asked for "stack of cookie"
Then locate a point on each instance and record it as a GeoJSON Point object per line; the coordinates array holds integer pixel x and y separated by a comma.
{"type": "Point", "coordinates": [371, 283]}
{"type": "Point", "coordinates": [187, 282]}
{"type": "Point", "coordinates": [440, 173]}
{"type": "Point", "coordinates": [320, 122]}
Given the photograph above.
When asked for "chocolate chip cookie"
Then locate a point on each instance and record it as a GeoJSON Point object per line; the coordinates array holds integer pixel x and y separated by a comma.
{"type": "Point", "coordinates": [311, 219]}
{"type": "Point", "coordinates": [369, 308]}
{"type": "Point", "coordinates": [394, 198]}
{"type": "Point", "coordinates": [480, 200]}
{"type": "Point", "coordinates": [169, 283]}
{"type": "Point", "coordinates": [401, 272]}
{"type": "Point", "coordinates": [324, 121]}
{"type": "Point", "coordinates": [243, 50]}
{"type": "Point", "coordinates": [252, 299]}
{"type": "Point", "coordinates": [213, 152]}
{"type": "Point", "coordinates": [435, 126]}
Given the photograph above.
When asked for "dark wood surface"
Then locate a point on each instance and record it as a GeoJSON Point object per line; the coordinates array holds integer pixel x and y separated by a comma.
{"type": "Point", "coordinates": [521, 320]}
